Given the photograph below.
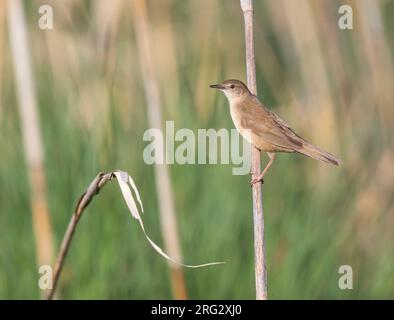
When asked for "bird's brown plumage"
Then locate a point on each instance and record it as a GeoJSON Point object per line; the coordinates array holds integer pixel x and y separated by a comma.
{"type": "Point", "coordinates": [271, 134]}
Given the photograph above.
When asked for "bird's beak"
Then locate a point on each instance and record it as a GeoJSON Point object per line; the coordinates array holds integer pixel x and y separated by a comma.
{"type": "Point", "coordinates": [218, 86]}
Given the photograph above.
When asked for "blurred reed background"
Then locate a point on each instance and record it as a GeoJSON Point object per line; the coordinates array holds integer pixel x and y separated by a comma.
{"type": "Point", "coordinates": [334, 87]}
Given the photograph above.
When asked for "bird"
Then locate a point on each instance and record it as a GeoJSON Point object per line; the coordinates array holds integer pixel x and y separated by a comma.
{"type": "Point", "coordinates": [264, 129]}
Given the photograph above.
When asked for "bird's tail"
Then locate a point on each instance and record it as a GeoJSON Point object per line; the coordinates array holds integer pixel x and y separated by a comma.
{"type": "Point", "coordinates": [318, 154]}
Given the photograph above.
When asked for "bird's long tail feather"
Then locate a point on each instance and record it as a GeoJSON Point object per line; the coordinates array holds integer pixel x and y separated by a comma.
{"type": "Point", "coordinates": [318, 154]}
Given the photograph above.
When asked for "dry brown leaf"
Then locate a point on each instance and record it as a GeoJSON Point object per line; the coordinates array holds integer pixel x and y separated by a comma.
{"type": "Point", "coordinates": [124, 181]}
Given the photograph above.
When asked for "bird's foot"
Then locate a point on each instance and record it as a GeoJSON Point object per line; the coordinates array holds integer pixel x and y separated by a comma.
{"type": "Point", "coordinates": [256, 180]}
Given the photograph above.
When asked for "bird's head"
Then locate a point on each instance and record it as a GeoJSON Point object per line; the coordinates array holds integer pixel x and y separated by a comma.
{"type": "Point", "coordinates": [233, 89]}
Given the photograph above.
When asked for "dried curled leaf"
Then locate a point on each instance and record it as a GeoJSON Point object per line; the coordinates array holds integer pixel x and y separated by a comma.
{"type": "Point", "coordinates": [124, 181]}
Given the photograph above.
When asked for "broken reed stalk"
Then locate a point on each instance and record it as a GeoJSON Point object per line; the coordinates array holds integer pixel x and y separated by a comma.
{"type": "Point", "coordinates": [31, 133]}
{"type": "Point", "coordinates": [258, 213]}
{"type": "Point", "coordinates": [95, 186]}
{"type": "Point", "coordinates": [167, 213]}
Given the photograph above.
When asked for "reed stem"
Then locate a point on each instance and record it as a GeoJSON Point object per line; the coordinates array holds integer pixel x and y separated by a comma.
{"type": "Point", "coordinates": [98, 182]}
{"type": "Point", "coordinates": [167, 213]}
{"type": "Point", "coordinates": [258, 213]}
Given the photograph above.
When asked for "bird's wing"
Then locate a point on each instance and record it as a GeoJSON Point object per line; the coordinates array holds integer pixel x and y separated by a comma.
{"type": "Point", "coordinates": [267, 125]}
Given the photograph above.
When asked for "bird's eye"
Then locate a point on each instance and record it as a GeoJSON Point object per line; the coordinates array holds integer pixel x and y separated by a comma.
{"type": "Point", "coordinates": [232, 86]}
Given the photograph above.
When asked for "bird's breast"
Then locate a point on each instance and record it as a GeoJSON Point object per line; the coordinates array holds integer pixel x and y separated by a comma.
{"type": "Point", "coordinates": [253, 138]}
{"type": "Point", "coordinates": [236, 116]}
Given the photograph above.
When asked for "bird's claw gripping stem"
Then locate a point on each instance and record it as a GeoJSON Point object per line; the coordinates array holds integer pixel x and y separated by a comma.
{"type": "Point", "coordinates": [256, 180]}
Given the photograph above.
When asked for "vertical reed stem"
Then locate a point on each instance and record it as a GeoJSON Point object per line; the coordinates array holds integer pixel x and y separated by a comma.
{"type": "Point", "coordinates": [30, 126]}
{"type": "Point", "coordinates": [258, 213]}
{"type": "Point", "coordinates": [162, 175]}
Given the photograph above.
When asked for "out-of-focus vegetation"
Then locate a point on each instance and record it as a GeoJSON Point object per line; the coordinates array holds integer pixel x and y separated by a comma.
{"type": "Point", "coordinates": [335, 87]}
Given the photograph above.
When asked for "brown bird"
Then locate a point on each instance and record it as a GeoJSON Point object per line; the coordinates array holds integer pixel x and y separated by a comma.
{"type": "Point", "coordinates": [264, 129]}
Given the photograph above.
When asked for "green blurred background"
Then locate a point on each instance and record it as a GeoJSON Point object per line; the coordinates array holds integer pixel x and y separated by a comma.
{"type": "Point", "coordinates": [335, 87]}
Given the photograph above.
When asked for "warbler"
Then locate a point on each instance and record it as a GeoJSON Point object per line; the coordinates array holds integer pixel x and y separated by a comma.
{"type": "Point", "coordinates": [264, 129]}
